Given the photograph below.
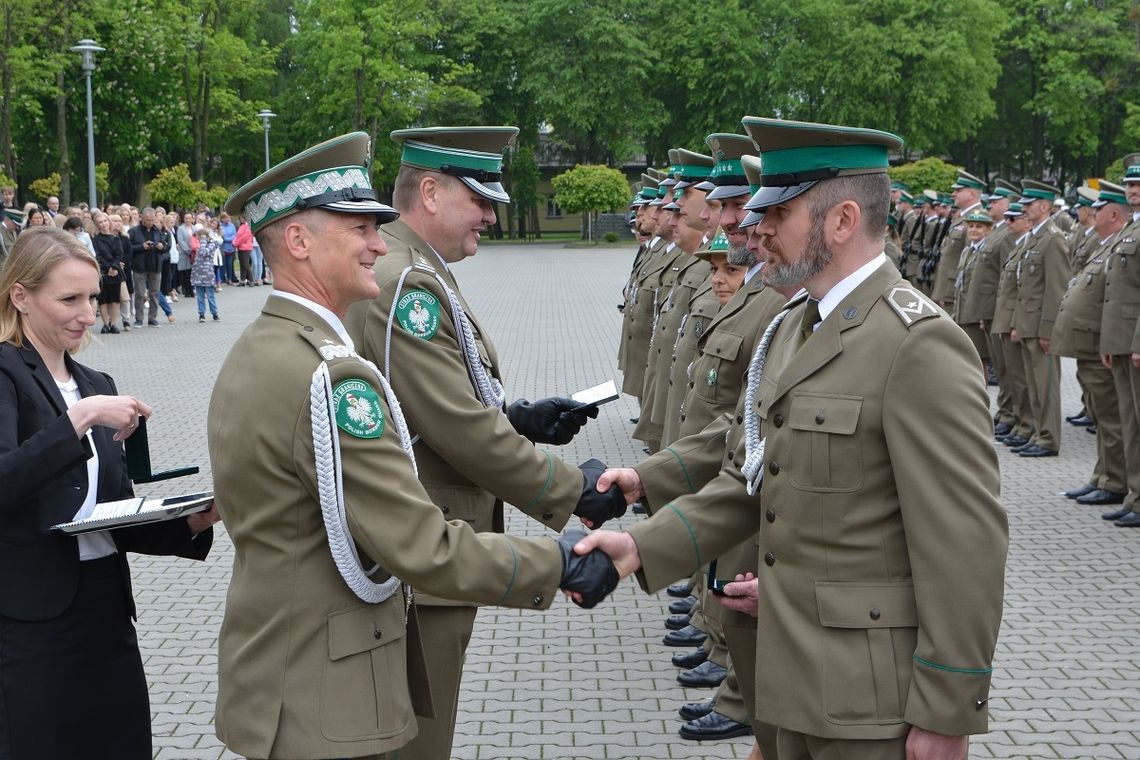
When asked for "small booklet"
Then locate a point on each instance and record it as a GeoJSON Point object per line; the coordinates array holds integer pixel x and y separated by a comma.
{"type": "Point", "coordinates": [137, 510]}
{"type": "Point", "coordinates": [596, 396]}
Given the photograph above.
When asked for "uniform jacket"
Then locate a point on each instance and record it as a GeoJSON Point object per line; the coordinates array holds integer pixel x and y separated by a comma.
{"type": "Point", "coordinates": [43, 466]}
{"type": "Point", "coordinates": [1077, 331]}
{"type": "Point", "coordinates": [980, 284]}
{"type": "Point", "coordinates": [1120, 320]}
{"type": "Point", "coordinates": [639, 315]}
{"type": "Point", "coordinates": [1042, 277]}
{"type": "Point", "coordinates": [688, 275]}
{"type": "Point", "coordinates": [870, 619]}
{"type": "Point", "coordinates": [949, 261]}
{"type": "Point", "coordinates": [1006, 303]}
{"type": "Point", "coordinates": [305, 668]}
{"type": "Point", "coordinates": [470, 458]}
{"type": "Point", "coordinates": [1082, 242]}
{"type": "Point", "coordinates": [702, 309]}
{"type": "Point", "coordinates": [627, 301]}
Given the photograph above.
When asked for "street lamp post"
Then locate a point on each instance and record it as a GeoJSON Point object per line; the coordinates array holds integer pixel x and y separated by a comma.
{"type": "Point", "coordinates": [266, 115]}
{"type": "Point", "coordinates": [87, 48]}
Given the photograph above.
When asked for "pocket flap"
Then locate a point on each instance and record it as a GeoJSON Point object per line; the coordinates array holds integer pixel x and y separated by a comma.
{"type": "Point", "coordinates": [825, 413]}
{"type": "Point", "coordinates": [359, 629]}
{"type": "Point", "coordinates": [866, 605]}
{"type": "Point", "coordinates": [723, 345]}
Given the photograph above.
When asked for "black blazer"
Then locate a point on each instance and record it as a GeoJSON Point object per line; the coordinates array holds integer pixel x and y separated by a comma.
{"type": "Point", "coordinates": [43, 480]}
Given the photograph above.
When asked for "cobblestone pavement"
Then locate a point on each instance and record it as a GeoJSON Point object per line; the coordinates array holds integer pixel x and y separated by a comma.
{"type": "Point", "coordinates": [598, 684]}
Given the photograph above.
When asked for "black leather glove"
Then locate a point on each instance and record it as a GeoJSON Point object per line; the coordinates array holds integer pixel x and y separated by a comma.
{"type": "Point", "coordinates": [598, 507]}
{"type": "Point", "coordinates": [549, 420]}
{"type": "Point", "coordinates": [592, 575]}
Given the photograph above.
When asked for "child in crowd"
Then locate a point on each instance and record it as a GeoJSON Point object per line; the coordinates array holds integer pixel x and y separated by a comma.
{"type": "Point", "coordinates": [202, 272]}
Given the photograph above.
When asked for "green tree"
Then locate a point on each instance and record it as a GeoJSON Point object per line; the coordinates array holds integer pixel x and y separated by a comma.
{"type": "Point", "coordinates": [45, 187]}
{"type": "Point", "coordinates": [174, 188]}
{"type": "Point", "coordinates": [927, 173]}
{"type": "Point", "coordinates": [589, 188]}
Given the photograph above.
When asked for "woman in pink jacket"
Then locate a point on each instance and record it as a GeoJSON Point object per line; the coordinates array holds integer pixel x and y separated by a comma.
{"type": "Point", "coordinates": [243, 244]}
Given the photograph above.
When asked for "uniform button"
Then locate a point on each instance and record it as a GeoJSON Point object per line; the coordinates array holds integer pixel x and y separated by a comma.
{"type": "Point", "coordinates": [682, 418]}
{"type": "Point", "coordinates": [376, 634]}
{"type": "Point", "coordinates": [819, 419]}
{"type": "Point", "coordinates": [538, 599]}
{"type": "Point", "coordinates": [770, 515]}
{"type": "Point", "coordinates": [739, 419]}
{"type": "Point", "coordinates": [774, 468]}
{"type": "Point", "coordinates": [547, 515]}
{"type": "Point", "coordinates": [769, 559]}
{"type": "Point", "coordinates": [445, 509]}
{"type": "Point", "coordinates": [308, 328]}
{"type": "Point", "coordinates": [731, 454]}
{"type": "Point", "coordinates": [875, 614]}
{"type": "Point", "coordinates": [778, 420]}
{"type": "Point", "coordinates": [690, 385]}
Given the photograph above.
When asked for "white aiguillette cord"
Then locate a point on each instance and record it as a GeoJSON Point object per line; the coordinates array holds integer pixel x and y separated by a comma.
{"type": "Point", "coordinates": [490, 390]}
{"type": "Point", "coordinates": [753, 468]}
{"type": "Point", "coordinates": [330, 482]}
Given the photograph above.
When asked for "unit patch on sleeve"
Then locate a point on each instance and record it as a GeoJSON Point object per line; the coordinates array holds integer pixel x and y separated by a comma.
{"type": "Point", "coordinates": [357, 409]}
{"type": "Point", "coordinates": [418, 313]}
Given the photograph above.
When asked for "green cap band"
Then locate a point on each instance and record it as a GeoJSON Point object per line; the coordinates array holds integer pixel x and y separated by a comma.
{"type": "Point", "coordinates": [1133, 173]}
{"type": "Point", "coordinates": [694, 171]}
{"type": "Point", "coordinates": [1113, 197]}
{"type": "Point", "coordinates": [794, 161]}
{"type": "Point", "coordinates": [286, 197]}
{"type": "Point", "coordinates": [663, 190]}
{"type": "Point", "coordinates": [1004, 192]}
{"type": "Point", "coordinates": [730, 167]}
{"type": "Point", "coordinates": [648, 193]}
{"type": "Point", "coordinates": [719, 244]}
{"type": "Point", "coordinates": [1033, 192]}
{"type": "Point", "coordinates": [428, 156]}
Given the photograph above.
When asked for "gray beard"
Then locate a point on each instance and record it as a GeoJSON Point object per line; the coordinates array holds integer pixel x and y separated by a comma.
{"type": "Point", "coordinates": [740, 256]}
{"type": "Point", "coordinates": [815, 259]}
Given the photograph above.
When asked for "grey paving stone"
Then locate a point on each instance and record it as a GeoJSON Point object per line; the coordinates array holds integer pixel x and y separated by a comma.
{"type": "Point", "coordinates": [1066, 682]}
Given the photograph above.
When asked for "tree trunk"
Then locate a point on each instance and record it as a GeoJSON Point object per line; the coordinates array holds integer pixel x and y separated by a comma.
{"type": "Point", "coordinates": [9, 163]}
{"type": "Point", "coordinates": [61, 136]}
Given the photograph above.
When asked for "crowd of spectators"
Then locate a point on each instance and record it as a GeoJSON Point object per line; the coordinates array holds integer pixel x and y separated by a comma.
{"type": "Point", "coordinates": [148, 257]}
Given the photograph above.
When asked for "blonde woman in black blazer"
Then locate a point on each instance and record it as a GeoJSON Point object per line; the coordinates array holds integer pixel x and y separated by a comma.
{"type": "Point", "coordinates": [71, 678]}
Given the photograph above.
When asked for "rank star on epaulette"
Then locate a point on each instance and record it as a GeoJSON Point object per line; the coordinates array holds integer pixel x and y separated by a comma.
{"type": "Point", "coordinates": [910, 305]}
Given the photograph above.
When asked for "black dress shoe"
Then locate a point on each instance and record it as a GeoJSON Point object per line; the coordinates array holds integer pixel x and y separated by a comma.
{"type": "Point", "coordinates": [713, 726]}
{"type": "Point", "coordinates": [1091, 430]}
{"type": "Point", "coordinates": [680, 590]}
{"type": "Point", "coordinates": [639, 508]}
{"type": "Point", "coordinates": [1101, 497]}
{"type": "Point", "coordinates": [690, 660]}
{"type": "Point", "coordinates": [689, 636]}
{"type": "Point", "coordinates": [1130, 520]}
{"type": "Point", "coordinates": [1002, 429]}
{"type": "Point", "coordinates": [707, 675]}
{"type": "Point", "coordinates": [1023, 447]}
{"type": "Point", "coordinates": [634, 420]}
{"type": "Point", "coordinates": [1076, 493]}
{"type": "Point", "coordinates": [1015, 440]}
{"type": "Point", "coordinates": [1117, 514]}
{"type": "Point", "coordinates": [677, 622]}
{"type": "Point", "coordinates": [1037, 451]}
{"type": "Point", "coordinates": [1082, 421]}
{"type": "Point", "coordinates": [694, 710]}
{"type": "Point", "coordinates": [1083, 413]}
{"type": "Point", "coordinates": [683, 606]}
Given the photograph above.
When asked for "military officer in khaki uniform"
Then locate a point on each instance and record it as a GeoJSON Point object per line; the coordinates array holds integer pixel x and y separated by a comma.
{"type": "Point", "coordinates": [1082, 241]}
{"type": "Point", "coordinates": [982, 296]}
{"type": "Point", "coordinates": [1077, 334]}
{"type": "Point", "coordinates": [1042, 278]}
{"type": "Point", "coordinates": [441, 362]}
{"type": "Point", "coordinates": [875, 639]}
{"type": "Point", "coordinates": [645, 225]}
{"type": "Point", "coordinates": [315, 658]}
{"type": "Point", "coordinates": [1120, 344]}
{"type": "Point", "coordinates": [978, 224]}
{"type": "Point", "coordinates": [912, 242]}
{"type": "Point", "coordinates": [967, 194]}
{"type": "Point", "coordinates": [1021, 426]}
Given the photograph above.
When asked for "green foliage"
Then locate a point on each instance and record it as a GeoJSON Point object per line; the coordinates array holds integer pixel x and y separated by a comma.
{"type": "Point", "coordinates": [215, 197]}
{"type": "Point", "coordinates": [590, 187]}
{"type": "Point", "coordinates": [927, 173]}
{"type": "Point", "coordinates": [5, 180]}
{"type": "Point", "coordinates": [611, 237]}
{"type": "Point", "coordinates": [102, 179]}
{"type": "Point", "coordinates": [173, 188]}
{"type": "Point", "coordinates": [45, 187]}
{"type": "Point", "coordinates": [1114, 172]}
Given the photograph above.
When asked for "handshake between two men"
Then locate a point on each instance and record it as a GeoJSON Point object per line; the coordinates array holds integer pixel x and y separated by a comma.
{"type": "Point", "coordinates": [594, 563]}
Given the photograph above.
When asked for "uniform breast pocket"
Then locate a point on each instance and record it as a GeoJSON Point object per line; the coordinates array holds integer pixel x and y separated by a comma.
{"type": "Point", "coordinates": [869, 635]}
{"type": "Point", "coordinates": [471, 505]}
{"type": "Point", "coordinates": [364, 692]}
{"type": "Point", "coordinates": [825, 454]}
{"type": "Point", "coordinates": [719, 360]}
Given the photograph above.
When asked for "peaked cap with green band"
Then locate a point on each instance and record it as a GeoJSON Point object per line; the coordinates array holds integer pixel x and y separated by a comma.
{"type": "Point", "coordinates": [1110, 192]}
{"type": "Point", "coordinates": [933, 196]}
{"type": "Point", "coordinates": [472, 154]}
{"type": "Point", "coordinates": [1086, 196]}
{"type": "Point", "coordinates": [727, 179]}
{"type": "Point", "coordinates": [902, 186]}
{"type": "Point", "coordinates": [967, 180]}
{"type": "Point", "coordinates": [657, 174]}
{"type": "Point", "coordinates": [1035, 190]}
{"type": "Point", "coordinates": [797, 154]}
{"type": "Point", "coordinates": [648, 193]}
{"type": "Point", "coordinates": [1015, 210]}
{"type": "Point", "coordinates": [332, 175]}
{"type": "Point", "coordinates": [752, 170]}
{"type": "Point", "coordinates": [647, 180]}
{"type": "Point", "coordinates": [1005, 188]}
{"type": "Point", "coordinates": [1133, 174]}
{"type": "Point", "coordinates": [919, 201]}
{"type": "Point", "coordinates": [692, 167]}
{"type": "Point", "coordinates": [14, 215]}
{"type": "Point", "coordinates": [906, 197]}
{"type": "Point", "coordinates": [717, 244]}
{"type": "Point", "coordinates": [977, 215]}
{"type": "Point", "coordinates": [671, 170]}
{"type": "Point", "coordinates": [946, 198]}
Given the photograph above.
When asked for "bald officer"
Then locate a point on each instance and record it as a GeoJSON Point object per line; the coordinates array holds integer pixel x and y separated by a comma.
{"type": "Point", "coordinates": [319, 655]}
{"type": "Point", "coordinates": [874, 639]}
{"type": "Point", "coordinates": [441, 362]}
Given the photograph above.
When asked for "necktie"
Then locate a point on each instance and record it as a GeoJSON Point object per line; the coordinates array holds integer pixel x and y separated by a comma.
{"type": "Point", "coordinates": [810, 317]}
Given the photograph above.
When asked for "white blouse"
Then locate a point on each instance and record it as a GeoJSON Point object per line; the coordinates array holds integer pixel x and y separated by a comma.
{"type": "Point", "coordinates": [91, 545]}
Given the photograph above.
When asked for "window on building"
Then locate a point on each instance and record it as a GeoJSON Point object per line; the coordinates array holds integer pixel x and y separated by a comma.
{"type": "Point", "coordinates": [553, 210]}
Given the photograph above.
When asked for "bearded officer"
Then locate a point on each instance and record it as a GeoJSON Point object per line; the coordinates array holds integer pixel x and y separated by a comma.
{"type": "Point", "coordinates": [472, 456]}
{"type": "Point", "coordinates": [319, 652]}
{"type": "Point", "coordinates": [876, 639]}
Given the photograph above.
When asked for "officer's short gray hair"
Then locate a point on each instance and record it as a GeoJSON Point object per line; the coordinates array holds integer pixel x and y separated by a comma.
{"type": "Point", "coordinates": [871, 191]}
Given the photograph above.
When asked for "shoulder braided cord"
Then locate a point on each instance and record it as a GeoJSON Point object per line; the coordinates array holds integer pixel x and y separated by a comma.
{"type": "Point", "coordinates": [330, 483]}
{"type": "Point", "coordinates": [753, 468]}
